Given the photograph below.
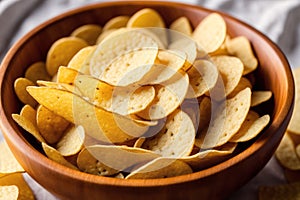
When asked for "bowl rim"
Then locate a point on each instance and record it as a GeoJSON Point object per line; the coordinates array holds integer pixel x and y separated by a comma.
{"type": "Point", "coordinates": [13, 137]}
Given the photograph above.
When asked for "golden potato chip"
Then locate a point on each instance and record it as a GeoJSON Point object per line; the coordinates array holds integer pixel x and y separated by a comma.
{"type": "Point", "coordinates": [182, 25]}
{"type": "Point", "coordinates": [9, 192]}
{"type": "Point", "coordinates": [50, 125]}
{"type": "Point", "coordinates": [71, 142]}
{"type": "Point", "coordinates": [226, 120]}
{"type": "Point", "coordinates": [161, 168]}
{"type": "Point", "coordinates": [37, 71]}
{"type": "Point", "coordinates": [176, 139]}
{"type": "Point", "coordinates": [88, 32]}
{"type": "Point", "coordinates": [54, 155]}
{"type": "Point", "coordinates": [210, 32]}
{"type": "Point", "coordinates": [61, 52]}
{"type": "Point", "coordinates": [66, 75]}
{"type": "Point", "coordinates": [203, 76]}
{"type": "Point", "coordinates": [169, 95]}
{"type": "Point", "coordinates": [105, 34]}
{"type": "Point", "coordinates": [286, 153]}
{"type": "Point", "coordinates": [79, 60]}
{"type": "Point", "coordinates": [231, 70]}
{"type": "Point", "coordinates": [28, 126]}
{"type": "Point", "coordinates": [121, 158]}
{"type": "Point", "coordinates": [25, 193]}
{"type": "Point", "coordinates": [294, 125]}
{"type": "Point", "coordinates": [251, 127]}
{"type": "Point", "coordinates": [222, 50]}
{"type": "Point", "coordinates": [116, 22]}
{"type": "Point", "coordinates": [259, 97]}
{"type": "Point", "coordinates": [241, 47]}
{"type": "Point", "coordinates": [8, 163]}
{"type": "Point", "coordinates": [146, 18]}
{"type": "Point", "coordinates": [289, 191]}
{"type": "Point", "coordinates": [20, 85]}
{"type": "Point", "coordinates": [243, 84]}
{"type": "Point", "coordinates": [129, 68]}
{"type": "Point", "coordinates": [97, 122]}
{"type": "Point", "coordinates": [29, 113]}
{"type": "Point", "coordinates": [61, 86]}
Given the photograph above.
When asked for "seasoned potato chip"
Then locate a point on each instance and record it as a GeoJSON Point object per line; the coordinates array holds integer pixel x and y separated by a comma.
{"type": "Point", "coordinates": [210, 32]}
{"type": "Point", "coordinates": [161, 168]}
{"type": "Point", "coordinates": [50, 125]}
{"type": "Point", "coordinates": [20, 85]}
{"type": "Point", "coordinates": [241, 47]}
{"type": "Point", "coordinates": [79, 60]}
{"type": "Point", "coordinates": [61, 52]}
{"type": "Point", "coordinates": [251, 127]}
{"type": "Point", "coordinates": [116, 22]}
{"type": "Point", "coordinates": [71, 142]}
{"type": "Point", "coordinates": [176, 139]}
{"type": "Point", "coordinates": [37, 71]}
{"type": "Point", "coordinates": [9, 192]}
{"type": "Point", "coordinates": [259, 97]}
{"type": "Point", "coordinates": [294, 125]}
{"type": "Point", "coordinates": [88, 32]}
{"type": "Point", "coordinates": [280, 192]}
{"type": "Point", "coordinates": [8, 163]}
{"type": "Point", "coordinates": [243, 84]}
{"type": "Point", "coordinates": [29, 113]}
{"type": "Point", "coordinates": [286, 153]}
{"type": "Point", "coordinates": [146, 18]}
{"type": "Point", "coordinates": [182, 25]}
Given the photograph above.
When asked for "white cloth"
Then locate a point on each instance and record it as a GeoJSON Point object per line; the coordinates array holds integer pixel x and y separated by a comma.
{"type": "Point", "coordinates": [278, 19]}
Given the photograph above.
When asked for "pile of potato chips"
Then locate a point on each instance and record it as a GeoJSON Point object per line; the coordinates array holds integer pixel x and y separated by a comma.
{"type": "Point", "coordinates": [135, 100]}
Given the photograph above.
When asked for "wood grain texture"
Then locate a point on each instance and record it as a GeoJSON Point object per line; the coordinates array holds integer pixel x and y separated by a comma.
{"type": "Point", "coordinates": [216, 182]}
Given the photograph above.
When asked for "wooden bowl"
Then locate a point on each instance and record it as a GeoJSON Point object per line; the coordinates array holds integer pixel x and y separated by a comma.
{"type": "Point", "coordinates": [216, 182]}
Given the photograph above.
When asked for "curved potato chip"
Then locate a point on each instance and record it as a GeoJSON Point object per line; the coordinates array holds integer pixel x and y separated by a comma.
{"type": "Point", "coordinates": [29, 113]}
{"type": "Point", "coordinates": [78, 62]}
{"type": "Point", "coordinates": [182, 25]}
{"type": "Point", "coordinates": [9, 192]}
{"type": "Point", "coordinates": [20, 85]}
{"type": "Point", "coordinates": [71, 142]}
{"type": "Point", "coordinates": [243, 84]}
{"type": "Point", "coordinates": [129, 68]}
{"type": "Point", "coordinates": [259, 97]}
{"type": "Point", "coordinates": [176, 139]}
{"type": "Point", "coordinates": [169, 95]}
{"type": "Point", "coordinates": [241, 47]}
{"type": "Point", "coordinates": [294, 125]}
{"type": "Point", "coordinates": [50, 125]}
{"type": "Point", "coordinates": [121, 158]}
{"type": "Point", "coordinates": [227, 120]}
{"type": "Point", "coordinates": [88, 32]}
{"type": "Point", "coordinates": [203, 76]}
{"type": "Point", "coordinates": [116, 22]}
{"type": "Point", "coordinates": [161, 168]}
{"type": "Point", "coordinates": [8, 162]}
{"type": "Point", "coordinates": [251, 127]}
{"type": "Point", "coordinates": [146, 18]}
{"type": "Point", "coordinates": [210, 32]}
{"type": "Point", "coordinates": [66, 75]}
{"type": "Point", "coordinates": [61, 52]}
{"type": "Point", "coordinates": [61, 86]}
{"type": "Point", "coordinates": [37, 71]}
{"type": "Point", "coordinates": [231, 70]}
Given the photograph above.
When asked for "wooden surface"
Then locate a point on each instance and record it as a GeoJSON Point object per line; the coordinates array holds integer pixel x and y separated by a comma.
{"type": "Point", "coordinates": [216, 182]}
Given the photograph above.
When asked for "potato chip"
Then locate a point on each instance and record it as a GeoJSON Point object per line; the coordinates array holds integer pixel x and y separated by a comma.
{"type": "Point", "coordinates": [191, 108]}
{"type": "Point", "coordinates": [88, 32]}
{"type": "Point", "coordinates": [294, 125]}
{"type": "Point", "coordinates": [8, 163]}
{"type": "Point", "coordinates": [251, 127]}
{"type": "Point", "coordinates": [25, 193]}
{"type": "Point", "coordinates": [205, 113]}
{"type": "Point", "coordinates": [79, 60]}
{"type": "Point", "coordinates": [176, 139]}
{"type": "Point", "coordinates": [54, 155]}
{"type": "Point", "coordinates": [243, 84]}
{"type": "Point", "coordinates": [182, 25]}
{"type": "Point", "coordinates": [121, 158]}
{"type": "Point", "coordinates": [210, 32]}
{"type": "Point", "coordinates": [66, 75]}
{"type": "Point", "coordinates": [29, 113]}
{"type": "Point", "coordinates": [37, 71]}
{"type": "Point", "coordinates": [231, 70]}
{"type": "Point", "coordinates": [105, 34]}
{"type": "Point", "coordinates": [286, 153]}
{"type": "Point", "coordinates": [50, 125]}
{"type": "Point", "coordinates": [71, 142]}
{"type": "Point", "coordinates": [226, 120]}
{"type": "Point", "coordinates": [61, 86]}
{"type": "Point", "coordinates": [222, 50]}
{"type": "Point", "coordinates": [280, 192]}
{"type": "Point", "coordinates": [61, 52]}
{"type": "Point", "coordinates": [10, 192]}
{"type": "Point", "coordinates": [169, 95]}
{"type": "Point", "coordinates": [203, 76]}
{"type": "Point", "coordinates": [259, 97]}
{"type": "Point", "coordinates": [116, 22]}
{"type": "Point", "coordinates": [146, 18]}
{"type": "Point", "coordinates": [139, 142]}
{"type": "Point", "coordinates": [98, 123]}
{"type": "Point", "coordinates": [20, 85]}
{"type": "Point", "coordinates": [241, 47]}
{"type": "Point", "coordinates": [28, 126]}
{"type": "Point", "coordinates": [129, 68]}
{"type": "Point", "coordinates": [161, 168]}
